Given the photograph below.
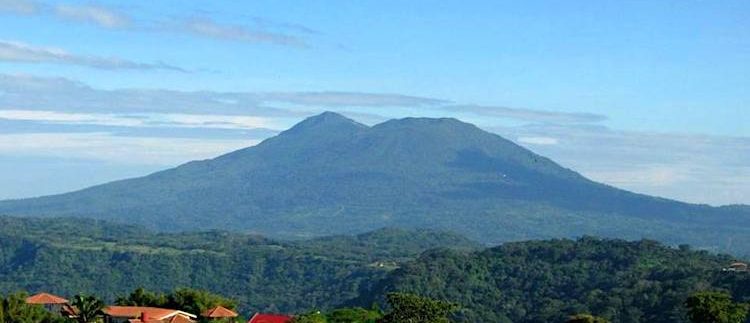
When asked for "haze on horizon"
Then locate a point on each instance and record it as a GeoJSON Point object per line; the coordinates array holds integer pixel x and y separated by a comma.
{"type": "Point", "coordinates": [646, 96]}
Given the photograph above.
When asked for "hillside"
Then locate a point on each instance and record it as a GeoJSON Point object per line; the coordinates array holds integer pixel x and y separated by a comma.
{"type": "Point", "coordinates": [533, 281]}
{"type": "Point", "coordinates": [547, 281]}
{"type": "Point", "coordinates": [331, 175]}
{"type": "Point", "coordinates": [69, 256]}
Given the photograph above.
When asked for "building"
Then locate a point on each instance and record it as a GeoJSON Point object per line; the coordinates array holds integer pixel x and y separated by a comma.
{"type": "Point", "coordinates": [218, 313]}
{"type": "Point", "coordinates": [737, 266]}
{"type": "Point", "coordinates": [143, 314]}
{"type": "Point", "coordinates": [52, 303]}
{"type": "Point", "coordinates": [269, 318]}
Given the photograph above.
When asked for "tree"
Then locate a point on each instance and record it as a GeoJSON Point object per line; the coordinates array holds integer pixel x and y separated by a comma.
{"type": "Point", "coordinates": [311, 317]}
{"type": "Point", "coordinates": [88, 308]}
{"type": "Point", "coordinates": [586, 318]}
{"type": "Point", "coordinates": [410, 308]}
{"type": "Point", "coordinates": [197, 301]}
{"type": "Point", "coordinates": [185, 299]}
{"type": "Point", "coordinates": [13, 309]}
{"type": "Point", "coordinates": [715, 307]}
{"type": "Point", "coordinates": [354, 315]}
{"type": "Point", "coordinates": [142, 297]}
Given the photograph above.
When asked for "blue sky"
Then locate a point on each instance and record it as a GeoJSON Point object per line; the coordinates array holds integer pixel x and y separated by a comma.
{"type": "Point", "coordinates": [647, 95]}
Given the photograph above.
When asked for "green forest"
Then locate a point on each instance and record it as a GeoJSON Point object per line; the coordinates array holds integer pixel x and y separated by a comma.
{"type": "Point", "coordinates": [546, 281]}
{"type": "Point", "coordinates": [532, 281]}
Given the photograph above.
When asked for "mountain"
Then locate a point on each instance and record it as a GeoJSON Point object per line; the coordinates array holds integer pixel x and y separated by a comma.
{"type": "Point", "coordinates": [331, 175]}
{"type": "Point", "coordinates": [547, 281]}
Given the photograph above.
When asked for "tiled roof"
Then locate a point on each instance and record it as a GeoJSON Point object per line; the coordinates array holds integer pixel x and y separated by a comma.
{"type": "Point", "coordinates": [218, 312]}
{"type": "Point", "coordinates": [139, 311]}
{"type": "Point", "coordinates": [45, 298]}
{"type": "Point", "coordinates": [270, 318]}
{"type": "Point", "coordinates": [174, 319]}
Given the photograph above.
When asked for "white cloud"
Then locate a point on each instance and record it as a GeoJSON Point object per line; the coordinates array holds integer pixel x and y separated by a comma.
{"type": "Point", "coordinates": [527, 114]}
{"type": "Point", "coordinates": [98, 15]}
{"type": "Point", "coordinates": [12, 51]}
{"type": "Point", "coordinates": [105, 147]}
{"type": "Point", "coordinates": [25, 92]}
{"type": "Point", "coordinates": [643, 175]}
{"type": "Point", "coordinates": [23, 7]}
{"type": "Point", "coordinates": [350, 99]}
{"type": "Point", "coordinates": [538, 140]}
{"type": "Point", "coordinates": [205, 27]}
{"type": "Point", "coordinates": [140, 120]}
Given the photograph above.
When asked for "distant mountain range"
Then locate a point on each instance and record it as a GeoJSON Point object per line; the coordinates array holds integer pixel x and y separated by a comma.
{"type": "Point", "coordinates": [331, 175]}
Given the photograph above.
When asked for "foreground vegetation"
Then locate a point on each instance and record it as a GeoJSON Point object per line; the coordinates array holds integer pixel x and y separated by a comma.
{"type": "Point", "coordinates": [351, 276]}
{"type": "Point", "coordinates": [546, 281]}
{"type": "Point", "coordinates": [69, 256]}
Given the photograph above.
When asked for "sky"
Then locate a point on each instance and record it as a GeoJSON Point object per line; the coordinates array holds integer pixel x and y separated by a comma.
{"type": "Point", "coordinates": [650, 96]}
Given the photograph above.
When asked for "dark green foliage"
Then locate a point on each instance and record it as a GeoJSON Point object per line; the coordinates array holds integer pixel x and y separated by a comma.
{"type": "Point", "coordinates": [311, 317]}
{"type": "Point", "coordinates": [586, 318]}
{"type": "Point", "coordinates": [88, 308]}
{"type": "Point", "coordinates": [715, 307]}
{"type": "Point", "coordinates": [261, 274]}
{"type": "Point", "coordinates": [331, 175]}
{"type": "Point", "coordinates": [547, 281]}
{"type": "Point", "coordinates": [184, 299]}
{"type": "Point", "coordinates": [534, 281]}
{"type": "Point", "coordinates": [409, 308]}
{"type": "Point", "coordinates": [341, 315]}
{"type": "Point", "coordinates": [354, 315]}
{"type": "Point", "coordinates": [13, 309]}
{"type": "Point", "coordinates": [142, 297]}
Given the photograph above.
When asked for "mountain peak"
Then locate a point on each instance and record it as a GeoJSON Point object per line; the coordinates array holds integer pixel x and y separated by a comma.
{"type": "Point", "coordinates": [326, 120]}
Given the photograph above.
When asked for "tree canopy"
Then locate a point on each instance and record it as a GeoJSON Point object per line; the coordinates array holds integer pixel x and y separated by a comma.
{"type": "Point", "coordinates": [715, 307]}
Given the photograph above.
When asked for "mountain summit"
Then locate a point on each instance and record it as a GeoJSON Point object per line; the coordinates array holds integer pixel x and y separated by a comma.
{"type": "Point", "coordinates": [330, 175]}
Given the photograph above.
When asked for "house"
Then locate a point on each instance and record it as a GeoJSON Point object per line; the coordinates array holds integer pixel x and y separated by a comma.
{"type": "Point", "coordinates": [737, 266]}
{"type": "Point", "coordinates": [219, 312]}
{"type": "Point", "coordinates": [269, 318]}
{"type": "Point", "coordinates": [143, 314]}
{"type": "Point", "coordinates": [51, 303]}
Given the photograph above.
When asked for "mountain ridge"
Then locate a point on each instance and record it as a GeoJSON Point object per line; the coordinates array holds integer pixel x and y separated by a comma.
{"type": "Point", "coordinates": [332, 175]}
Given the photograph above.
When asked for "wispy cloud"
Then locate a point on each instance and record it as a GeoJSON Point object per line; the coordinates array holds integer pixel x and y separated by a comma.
{"type": "Point", "coordinates": [23, 7]}
{"type": "Point", "coordinates": [256, 31]}
{"type": "Point", "coordinates": [23, 92]}
{"type": "Point", "coordinates": [140, 120]}
{"type": "Point", "coordinates": [527, 114]}
{"type": "Point", "coordinates": [11, 51]}
{"type": "Point", "coordinates": [349, 99]}
{"type": "Point", "coordinates": [538, 140]}
{"type": "Point", "coordinates": [107, 147]}
{"type": "Point", "coordinates": [205, 27]}
{"type": "Point", "coordinates": [99, 15]}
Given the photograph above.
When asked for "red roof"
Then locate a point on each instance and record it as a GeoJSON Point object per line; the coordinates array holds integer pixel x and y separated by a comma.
{"type": "Point", "coordinates": [270, 318]}
{"type": "Point", "coordinates": [45, 298]}
{"type": "Point", "coordinates": [218, 312]}
{"type": "Point", "coordinates": [174, 319]}
{"type": "Point", "coordinates": [138, 312]}
{"type": "Point", "coordinates": [180, 319]}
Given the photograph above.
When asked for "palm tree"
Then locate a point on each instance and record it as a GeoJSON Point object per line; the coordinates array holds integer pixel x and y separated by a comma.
{"type": "Point", "coordinates": [88, 308]}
